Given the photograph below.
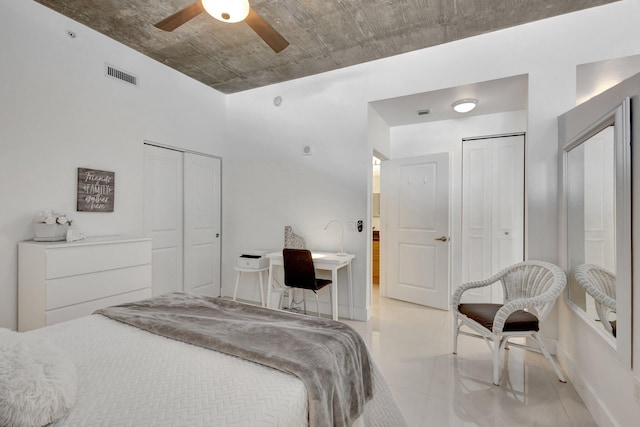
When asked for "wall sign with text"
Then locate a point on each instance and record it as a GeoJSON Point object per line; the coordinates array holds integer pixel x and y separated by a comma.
{"type": "Point", "coordinates": [96, 190]}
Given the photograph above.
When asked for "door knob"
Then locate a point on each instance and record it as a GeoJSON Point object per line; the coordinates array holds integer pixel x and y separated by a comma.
{"type": "Point", "coordinates": [442, 238]}
{"type": "Point", "coordinates": [217, 234]}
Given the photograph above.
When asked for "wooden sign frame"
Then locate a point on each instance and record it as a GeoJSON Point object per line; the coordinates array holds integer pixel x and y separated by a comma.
{"type": "Point", "coordinates": [96, 190]}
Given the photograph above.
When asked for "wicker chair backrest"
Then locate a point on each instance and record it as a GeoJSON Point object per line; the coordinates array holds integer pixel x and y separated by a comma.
{"type": "Point", "coordinates": [534, 279]}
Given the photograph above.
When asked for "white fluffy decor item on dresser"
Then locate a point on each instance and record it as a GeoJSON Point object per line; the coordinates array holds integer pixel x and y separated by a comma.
{"type": "Point", "coordinates": [38, 381]}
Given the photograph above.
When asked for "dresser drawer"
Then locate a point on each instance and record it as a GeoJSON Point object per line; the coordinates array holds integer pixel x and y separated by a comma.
{"type": "Point", "coordinates": [86, 308]}
{"type": "Point", "coordinates": [59, 281]}
{"type": "Point", "coordinates": [74, 260]}
{"type": "Point", "coordinates": [65, 291]}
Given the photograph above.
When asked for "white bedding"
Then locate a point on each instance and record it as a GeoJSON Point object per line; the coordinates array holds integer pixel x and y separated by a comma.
{"type": "Point", "coordinates": [129, 377]}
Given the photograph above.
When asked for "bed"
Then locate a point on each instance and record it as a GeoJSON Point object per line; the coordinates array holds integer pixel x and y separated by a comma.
{"type": "Point", "coordinates": [127, 376]}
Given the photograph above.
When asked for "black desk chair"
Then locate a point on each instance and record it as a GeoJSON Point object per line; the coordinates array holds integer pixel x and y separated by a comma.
{"type": "Point", "coordinates": [299, 272]}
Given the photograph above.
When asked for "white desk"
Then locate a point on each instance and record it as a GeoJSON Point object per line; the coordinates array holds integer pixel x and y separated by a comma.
{"type": "Point", "coordinates": [321, 261]}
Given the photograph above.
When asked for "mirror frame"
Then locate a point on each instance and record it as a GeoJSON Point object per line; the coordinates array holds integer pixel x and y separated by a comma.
{"type": "Point", "coordinates": [620, 117]}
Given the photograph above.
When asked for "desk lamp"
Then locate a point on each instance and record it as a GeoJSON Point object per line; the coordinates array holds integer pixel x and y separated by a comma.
{"type": "Point", "coordinates": [342, 252]}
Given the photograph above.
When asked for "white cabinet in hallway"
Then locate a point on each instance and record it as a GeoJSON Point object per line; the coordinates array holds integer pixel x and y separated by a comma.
{"type": "Point", "coordinates": [62, 281]}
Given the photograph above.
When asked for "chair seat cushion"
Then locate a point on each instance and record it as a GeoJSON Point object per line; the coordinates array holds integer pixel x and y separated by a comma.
{"type": "Point", "coordinates": [321, 283]}
{"type": "Point", "coordinates": [484, 314]}
{"type": "Point", "coordinates": [613, 327]}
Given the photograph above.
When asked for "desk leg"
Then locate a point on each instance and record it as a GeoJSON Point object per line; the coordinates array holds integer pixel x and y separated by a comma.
{"type": "Point", "coordinates": [334, 294]}
{"type": "Point", "coordinates": [269, 284]}
{"type": "Point", "coordinates": [261, 288]}
{"type": "Point", "coordinates": [350, 291]}
{"type": "Point", "coordinates": [235, 290]}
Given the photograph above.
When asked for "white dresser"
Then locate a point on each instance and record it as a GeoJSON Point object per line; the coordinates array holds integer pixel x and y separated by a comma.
{"type": "Point", "coordinates": [62, 281]}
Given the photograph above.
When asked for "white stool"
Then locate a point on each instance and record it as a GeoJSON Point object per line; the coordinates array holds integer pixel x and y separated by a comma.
{"type": "Point", "coordinates": [241, 270]}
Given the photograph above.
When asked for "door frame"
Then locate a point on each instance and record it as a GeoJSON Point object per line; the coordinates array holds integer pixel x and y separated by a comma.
{"type": "Point", "coordinates": [199, 153]}
{"type": "Point", "coordinates": [381, 283]}
{"type": "Point", "coordinates": [455, 211]}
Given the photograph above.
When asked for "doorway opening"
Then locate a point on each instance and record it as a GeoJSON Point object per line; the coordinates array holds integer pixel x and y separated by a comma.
{"type": "Point", "coordinates": [398, 132]}
{"type": "Point", "coordinates": [375, 224]}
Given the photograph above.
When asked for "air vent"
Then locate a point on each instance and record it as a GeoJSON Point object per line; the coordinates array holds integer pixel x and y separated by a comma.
{"type": "Point", "coordinates": [424, 112]}
{"type": "Point", "coordinates": [123, 76]}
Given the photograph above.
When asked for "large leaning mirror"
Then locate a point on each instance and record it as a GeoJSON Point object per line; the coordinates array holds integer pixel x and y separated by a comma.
{"type": "Point", "coordinates": [597, 186]}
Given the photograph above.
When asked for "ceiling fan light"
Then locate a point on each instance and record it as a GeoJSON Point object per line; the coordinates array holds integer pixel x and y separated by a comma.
{"type": "Point", "coordinates": [464, 105]}
{"type": "Point", "coordinates": [227, 10]}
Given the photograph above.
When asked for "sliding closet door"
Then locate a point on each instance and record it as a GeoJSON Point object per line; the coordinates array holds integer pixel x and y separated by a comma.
{"type": "Point", "coordinates": [163, 222]}
{"type": "Point", "coordinates": [182, 216]}
{"type": "Point", "coordinates": [202, 224]}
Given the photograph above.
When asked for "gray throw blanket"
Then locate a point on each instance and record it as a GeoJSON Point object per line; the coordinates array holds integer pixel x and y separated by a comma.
{"type": "Point", "coordinates": [328, 356]}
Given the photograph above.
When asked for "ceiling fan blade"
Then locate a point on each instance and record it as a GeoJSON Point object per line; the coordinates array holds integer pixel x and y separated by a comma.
{"type": "Point", "coordinates": [273, 38]}
{"type": "Point", "coordinates": [181, 17]}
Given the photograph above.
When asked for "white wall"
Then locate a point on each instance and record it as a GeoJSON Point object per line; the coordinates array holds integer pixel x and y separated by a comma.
{"type": "Point", "coordinates": [379, 134]}
{"type": "Point", "coordinates": [610, 390]}
{"type": "Point", "coordinates": [59, 113]}
{"type": "Point", "coordinates": [330, 111]}
{"type": "Point", "coordinates": [273, 185]}
{"type": "Point", "coordinates": [268, 183]}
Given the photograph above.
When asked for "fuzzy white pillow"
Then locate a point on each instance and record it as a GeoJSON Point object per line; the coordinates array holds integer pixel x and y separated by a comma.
{"type": "Point", "coordinates": [37, 381]}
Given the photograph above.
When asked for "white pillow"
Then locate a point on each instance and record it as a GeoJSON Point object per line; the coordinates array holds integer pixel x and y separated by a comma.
{"type": "Point", "coordinates": [37, 381]}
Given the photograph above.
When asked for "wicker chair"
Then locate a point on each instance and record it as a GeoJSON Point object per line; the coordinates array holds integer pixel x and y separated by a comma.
{"type": "Point", "coordinates": [529, 287]}
{"type": "Point", "coordinates": [601, 285]}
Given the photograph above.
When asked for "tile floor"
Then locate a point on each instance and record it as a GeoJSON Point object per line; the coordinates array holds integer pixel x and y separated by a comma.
{"type": "Point", "coordinates": [412, 346]}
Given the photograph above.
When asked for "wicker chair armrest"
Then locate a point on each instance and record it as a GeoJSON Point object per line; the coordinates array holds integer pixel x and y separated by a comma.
{"type": "Point", "coordinates": [457, 295]}
{"type": "Point", "coordinates": [509, 308]}
{"type": "Point", "coordinates": [601, 297]}
{"type": "Point", "coordinates": [545, 298]}
{"type": "Point", "coordinates": [595, 292]}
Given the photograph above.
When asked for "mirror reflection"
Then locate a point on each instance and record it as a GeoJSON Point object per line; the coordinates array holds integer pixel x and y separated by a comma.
{"type": "Point", "coordinates": [600, 287]}
{"type": "Point", "coordinates": [591, 226]}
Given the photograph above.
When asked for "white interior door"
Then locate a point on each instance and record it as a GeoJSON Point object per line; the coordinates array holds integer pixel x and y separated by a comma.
{"type": "Point", "coordinates": [163, 184]}
{"type": "Point", "coordinates": [415, 213]}
{"type": "Point", "coordinates": [202, 224]}
{"type": "Point", "coordinates": [492, 211]}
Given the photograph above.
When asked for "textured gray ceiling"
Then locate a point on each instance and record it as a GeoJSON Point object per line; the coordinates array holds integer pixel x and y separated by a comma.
{"type": "Point", "coordinates": [324, 34]}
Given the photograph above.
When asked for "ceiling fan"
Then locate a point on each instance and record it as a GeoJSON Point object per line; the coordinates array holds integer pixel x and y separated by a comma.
{"type": "Point", "coordinates": [227, 11]}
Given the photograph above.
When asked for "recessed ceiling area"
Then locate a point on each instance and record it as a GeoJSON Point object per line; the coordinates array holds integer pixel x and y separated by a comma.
{"type": "Point", "coordinates": [324, 35]}
{"type": "Point", "coordinates": [596, 77]}
{"type": "Point", "coordinates": [494, 96]}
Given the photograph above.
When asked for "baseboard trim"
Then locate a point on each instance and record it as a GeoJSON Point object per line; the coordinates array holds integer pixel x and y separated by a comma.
{"type": "Point", "coordinates": [600, 413]}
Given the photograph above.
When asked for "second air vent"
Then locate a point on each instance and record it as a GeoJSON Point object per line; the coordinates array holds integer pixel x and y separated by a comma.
{"type": "Point", "coordinates": [118, 74]}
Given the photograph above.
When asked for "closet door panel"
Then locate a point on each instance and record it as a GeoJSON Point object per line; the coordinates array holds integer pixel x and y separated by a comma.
{"type": "Point", "coordinates": [492, 210]}
{"type": "Point", "coordinates": [163, 216]}
{"type": "Point", "coordinates": [202, 224]}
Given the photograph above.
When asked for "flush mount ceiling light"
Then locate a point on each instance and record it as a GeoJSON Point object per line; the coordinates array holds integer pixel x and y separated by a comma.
{"type": "Point", "coordinates": [227, 10]}
{"type": "Point", "coordinates": [464, 105]}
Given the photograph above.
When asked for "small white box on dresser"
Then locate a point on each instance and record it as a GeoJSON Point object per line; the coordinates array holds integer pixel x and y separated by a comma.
{"type": "Point", "coordinates": [62, 281]}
